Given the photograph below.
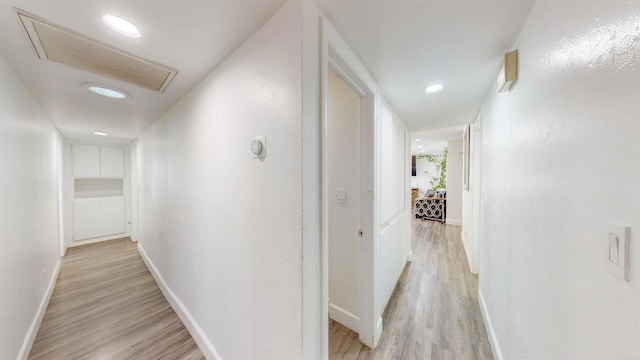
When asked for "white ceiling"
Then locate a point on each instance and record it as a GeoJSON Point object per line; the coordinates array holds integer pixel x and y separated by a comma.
{"type": "Point", "coordinates": [406, 45]}
{"type": "Point", "coordinates": [434, 141]}
{"type": "Point", "coordinates": [192, 36]}
{"type": "Point", "coordinates": [428, 148]}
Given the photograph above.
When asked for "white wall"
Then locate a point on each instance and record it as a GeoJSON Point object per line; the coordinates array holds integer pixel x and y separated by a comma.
{"type": "Point", "coordinates": [29, 232]}
{"type": "Point", "coordinates": [315, 324]}
{"type": "Point", "coordinates": [392, 165]}
{"type": "Point", "coordinates": [561, 156]}
{"type": "Point", "coordinates": [224, 230]}
{"type": "Point", "coordinates": [343, 140]}
{"type": "Point", "coordinates": [454, 183]}
{"type": "Point", "coordinates": [394, 170]}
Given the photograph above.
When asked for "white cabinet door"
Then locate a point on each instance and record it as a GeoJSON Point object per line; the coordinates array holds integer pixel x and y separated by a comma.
{"type": "Point", "coordinates": [98, 217]}
{"type": "Point", "coordinates": [111, 162]}
{"type": "Point", "coordinates": [113, 221]}
{"type": "Point", "coordinates": [86, 219]}
{"type": "Point", "coordinates": [86, 161]}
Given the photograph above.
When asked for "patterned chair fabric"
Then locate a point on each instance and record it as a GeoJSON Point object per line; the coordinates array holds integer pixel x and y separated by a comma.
{"type": "Point", "coordinates": [432, 208]}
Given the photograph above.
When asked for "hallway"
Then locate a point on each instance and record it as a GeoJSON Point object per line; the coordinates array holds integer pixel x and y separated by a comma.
{"type": "Point", "coordinates": [433, 313]}
{"type": "Point", "coordinates": [106, 305]}
{"type": "Point", "coordinates": [195, 138]}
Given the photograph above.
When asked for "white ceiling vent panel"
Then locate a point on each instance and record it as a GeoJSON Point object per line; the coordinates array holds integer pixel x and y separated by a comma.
{"type": "Point", "coordinates": [56, 43]}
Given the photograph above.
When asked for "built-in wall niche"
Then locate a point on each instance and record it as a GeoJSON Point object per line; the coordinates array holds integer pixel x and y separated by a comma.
{"type": "Point", "coordinates": [89, 188]}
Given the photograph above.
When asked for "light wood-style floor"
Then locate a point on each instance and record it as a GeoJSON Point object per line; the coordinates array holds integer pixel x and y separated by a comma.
{"type": "Point", "coordinates": [433, 312]}
{"type": "Point", "coordinates": [106, 305]}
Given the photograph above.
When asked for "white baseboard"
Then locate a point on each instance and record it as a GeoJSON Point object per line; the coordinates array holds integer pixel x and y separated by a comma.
{"type": "Point", "coordinates": [453, 222]}
{"type": "Point", "coordinates": [378, 333]}
{"type": "Point", "coordinates": [493, 340]}
{"type": "Point", "coordinates": [37, 320]}
{"type": "Point", "coordinates": [344, 317]}
{"type": "Point", "coordinates": [410, 256]}
{"type": "Point", "coordinates": [467, 253]}
{"type": "Point", "coordinates": [97, 240]}
{"type": "Point", "coordinates": [194, 329]}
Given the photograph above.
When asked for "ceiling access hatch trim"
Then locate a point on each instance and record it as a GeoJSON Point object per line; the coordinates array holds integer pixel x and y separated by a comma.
{"type": "Point", "coordinates": [59, 44]}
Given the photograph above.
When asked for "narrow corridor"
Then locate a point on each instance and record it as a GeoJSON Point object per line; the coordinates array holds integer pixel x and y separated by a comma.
{"type": "Point", "coordinates": [106, 305]}
{"type": "Point", "coordinates": [433, 312]}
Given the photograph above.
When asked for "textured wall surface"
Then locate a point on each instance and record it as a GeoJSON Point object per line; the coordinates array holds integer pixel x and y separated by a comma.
{"type": "Point", "coordinates": [29, 149]}
{"type": "Point", "coordinates": [224, 229]}
{"type": "Point", "coordinates": [561, 158]}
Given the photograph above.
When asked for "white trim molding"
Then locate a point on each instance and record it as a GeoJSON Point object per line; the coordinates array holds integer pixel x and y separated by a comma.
{"type": "Point", "coordinates": [467, 253]}
{"type": "Point", "coordinates": [97, 240]}
{"type": "Point", "coordinates": [344, 317]}
{"type": "Point", "coordinates": [37, 320]}
{"type": "Point", "coordinates": [379, 325]}
{"type": "Point", "coordinates": [410, 256]}
{"type": "Point", "coordinates": [194, 329]}
{"type": "Point", "coordinates": [493, 339]}
{"type": "Point", "coordinates": [453, 222]}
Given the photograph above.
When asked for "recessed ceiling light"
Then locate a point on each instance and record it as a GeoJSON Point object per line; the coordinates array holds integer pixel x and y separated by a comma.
{"type": "Point", "coordinates": [417, 140]}
{"type": "Point", "coordinates": [432, 89]}
{"type": "Point", "coordinates": [122, 26]}
{"type": "Point", "coordinates": [112, 93]}
{"type": "Point", "coordinates": [424, 151]}
{"type": "Point", "coordinates": [100, 133]}
{"type": "Point", "coordinates": [419, 146]}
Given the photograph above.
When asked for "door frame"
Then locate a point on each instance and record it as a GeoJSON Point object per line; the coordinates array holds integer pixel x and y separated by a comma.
{"type": "Point", "coordinates": [337, 55]}
{"type": "Point", "coordinates": [135, 187]}
{"type": "Point", "coordinates": [60, 185]}
{"type": "Point", "coordinates": [476, 189]}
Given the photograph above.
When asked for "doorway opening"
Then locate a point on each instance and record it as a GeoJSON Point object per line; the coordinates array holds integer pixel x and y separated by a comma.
{"type": "Point", "coordinates": [445, 181]}
{"type": "Point", "coordinates": [343, 173]}
{"type": "Point", "coordinates": [348, 200]}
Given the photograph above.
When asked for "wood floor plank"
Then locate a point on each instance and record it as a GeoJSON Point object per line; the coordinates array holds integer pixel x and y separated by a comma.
{"type": "Point", "coordinates": [106, 305]}
{"type": "Point", "coordinates": [433, 312]}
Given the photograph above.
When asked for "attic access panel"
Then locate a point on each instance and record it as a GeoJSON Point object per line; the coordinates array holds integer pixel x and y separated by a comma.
{"type": "Point", "coordinates": [64, 46]}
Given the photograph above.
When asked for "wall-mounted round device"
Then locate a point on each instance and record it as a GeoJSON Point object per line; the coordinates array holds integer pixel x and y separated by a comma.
{"type": "Point", "coordinates": [256, 147]}
{"type": "Point", "coordinates": [259, 147]}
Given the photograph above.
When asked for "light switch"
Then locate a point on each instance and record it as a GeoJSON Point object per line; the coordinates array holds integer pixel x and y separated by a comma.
{"type": "Point", "coordinates": [618, 238]}
{"type": "Point", "coordinates": [614, 242]}
{"type": "Point", "coordinates": [341, 196]}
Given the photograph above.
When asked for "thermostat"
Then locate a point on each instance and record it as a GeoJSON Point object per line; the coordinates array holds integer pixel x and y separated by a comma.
{"type": "Point", "coordinates": [259, 147]}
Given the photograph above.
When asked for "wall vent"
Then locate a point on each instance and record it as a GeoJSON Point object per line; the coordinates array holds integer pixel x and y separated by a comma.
{"type": "Point", "coordinates": [65, 46]}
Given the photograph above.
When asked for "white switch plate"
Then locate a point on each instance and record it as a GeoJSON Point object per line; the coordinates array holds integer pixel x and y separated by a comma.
{"type": "Point", "coordinates": [618, 238]}
{"type": "Point", "coordinates": [341, 196]}
{"type": "Point", "coordinates": [614, 249]}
